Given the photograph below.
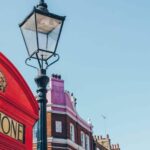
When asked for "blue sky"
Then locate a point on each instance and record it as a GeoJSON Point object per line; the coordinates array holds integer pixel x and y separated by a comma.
{"type": "Point", "coordinates": [105, 50]}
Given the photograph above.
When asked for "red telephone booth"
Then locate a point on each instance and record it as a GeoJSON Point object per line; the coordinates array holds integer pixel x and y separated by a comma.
{"type": "Point", "coordinates": [18, 109]}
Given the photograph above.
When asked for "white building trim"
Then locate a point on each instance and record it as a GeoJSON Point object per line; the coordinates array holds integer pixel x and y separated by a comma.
{"type": "Point", "coordinates": [71, 116]}
{"type": "Point", "coordinates": [65, 141]}
{"type": "Point", "coordinates": [61, 106]}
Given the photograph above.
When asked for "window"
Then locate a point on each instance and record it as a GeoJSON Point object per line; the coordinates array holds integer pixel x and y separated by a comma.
{"type": "Point", "coordinates": [35, 132]}
{"type": "Point", "coordinates": [82, 139]}
{"type": "Point", "coordinates": [72, 137]}
{"type": "Point", "coordinates": [87, 142]}
{"type": "Point", "coordinates": [58, 126]}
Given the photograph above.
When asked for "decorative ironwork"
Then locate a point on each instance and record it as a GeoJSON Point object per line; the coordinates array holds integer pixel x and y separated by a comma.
{"type": "Point", "coordinates": [3, 82]}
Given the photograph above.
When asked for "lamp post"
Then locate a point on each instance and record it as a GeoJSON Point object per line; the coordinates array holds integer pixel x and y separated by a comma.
{"type": "Point", "coordinates": [41, 32]}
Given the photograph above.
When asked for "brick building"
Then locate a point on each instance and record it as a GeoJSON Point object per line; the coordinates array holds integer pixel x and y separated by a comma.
{"type": "Point", "coordinates": [98, 146]}
{"type": "Point", "coordinates": [104, 143]}
{"type": "Point", "coordinates": [66, 130]}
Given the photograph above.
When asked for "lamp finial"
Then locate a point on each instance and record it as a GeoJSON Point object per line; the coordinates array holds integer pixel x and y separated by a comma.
{"type": "Point", "coordinates": [42, 6]}
{"type": "Point", "coordinates": [42, 1]}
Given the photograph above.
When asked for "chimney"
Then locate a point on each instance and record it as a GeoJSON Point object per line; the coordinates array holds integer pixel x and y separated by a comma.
{"type": "Point", "coordinates": [56, 83]}
{"type": "Point", "coordinates": [107, 136]}
{"type": "Point", "coordinates": [57, 90]}
{"type": "Point", "coordinates": [115, 147]}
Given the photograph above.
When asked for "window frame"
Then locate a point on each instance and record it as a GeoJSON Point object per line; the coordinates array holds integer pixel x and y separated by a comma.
{"type": "Point", "coordinates": [72, 132]}
{"type": "Point", "coordinates": [82, 137]}
{"type": "Point", "coordinates": [87, 142]}
{"type": "Point", "coordinates": [58, 126]}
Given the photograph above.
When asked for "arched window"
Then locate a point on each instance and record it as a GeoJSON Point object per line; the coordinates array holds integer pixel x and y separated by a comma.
{"type": "Point", "coordinates": [72, 136]}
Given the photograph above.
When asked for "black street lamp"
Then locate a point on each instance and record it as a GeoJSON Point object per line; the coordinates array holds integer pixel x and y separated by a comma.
{"type": "Point", "coordinates": [41, 32]}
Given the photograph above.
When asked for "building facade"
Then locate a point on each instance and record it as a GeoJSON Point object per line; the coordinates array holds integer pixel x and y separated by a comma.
{"type": "Point", "coordinates": [104, 143]}
{"type": "Point", "coordinates": [66, 130]}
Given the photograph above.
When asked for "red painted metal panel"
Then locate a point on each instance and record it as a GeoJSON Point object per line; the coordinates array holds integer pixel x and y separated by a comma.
{"type": "Point", "coordinates": [18, 103]}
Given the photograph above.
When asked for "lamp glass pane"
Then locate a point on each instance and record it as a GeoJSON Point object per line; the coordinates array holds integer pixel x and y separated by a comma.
{"type": "Point", "coordinates": [29, 33]}
{"type": "Point", "coordinates": [46, 24]}
{"type": "Point", "coordinates": [48, 31]}
{"type": "Point", "coordinates": [53, 38]}
{"type": "Point", "coordinates": [43, 55]}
